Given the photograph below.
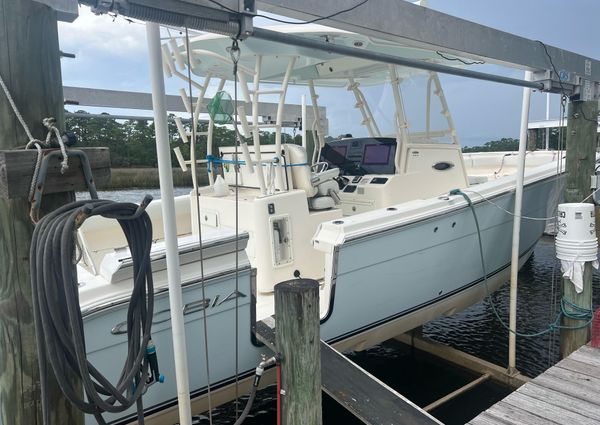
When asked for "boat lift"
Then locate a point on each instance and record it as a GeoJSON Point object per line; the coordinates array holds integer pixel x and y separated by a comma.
{"type": "Point", "coordinates": [547, 68]}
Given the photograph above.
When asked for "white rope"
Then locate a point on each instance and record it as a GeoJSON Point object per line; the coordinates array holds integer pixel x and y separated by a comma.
{"type": "Point", "coordinates": [36, 169]}
{"type": "Point", "coordinates": [38, 144]}
{"type": "Point", "coordinates": [49, 124]}
{"type": "Point", "coordinates": [507, 211]}
{"type": "Point", "coordinates": [17, 113]}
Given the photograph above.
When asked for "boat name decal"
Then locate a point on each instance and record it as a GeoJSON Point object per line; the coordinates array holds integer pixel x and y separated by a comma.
{"type": "Point", "coordinates": [192, 307]}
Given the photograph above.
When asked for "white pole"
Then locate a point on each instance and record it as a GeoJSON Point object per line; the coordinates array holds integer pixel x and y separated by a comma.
{"type": "Point", "coordinates": [304, 121]}
{"type": "Point", "coordinates": [514, 265]}
{"type": "Point", "coordinates": [168, 212]}
{"type": "Point", "coordinates": [547, 134]}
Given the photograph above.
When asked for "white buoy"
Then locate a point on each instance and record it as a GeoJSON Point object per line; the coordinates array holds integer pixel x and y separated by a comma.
{"type": "Point", "coordinates": [576, 234]}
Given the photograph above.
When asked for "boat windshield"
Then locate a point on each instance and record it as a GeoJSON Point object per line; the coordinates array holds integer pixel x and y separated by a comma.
{"type": "Point", "coordinates": [360, 156]}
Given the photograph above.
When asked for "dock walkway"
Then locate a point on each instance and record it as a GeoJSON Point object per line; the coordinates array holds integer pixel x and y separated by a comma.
{"type": "Point", "coordinates": [567, 393]}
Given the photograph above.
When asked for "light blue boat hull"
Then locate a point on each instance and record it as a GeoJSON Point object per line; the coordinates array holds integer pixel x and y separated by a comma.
{"type": "Point", "coordinates": [381, 280]}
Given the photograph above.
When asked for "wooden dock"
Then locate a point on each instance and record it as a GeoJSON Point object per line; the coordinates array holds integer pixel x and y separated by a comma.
{"type": "Point", "coordinates": [567, 393]}
{"type": "Point", "coordinates": [369, 399]}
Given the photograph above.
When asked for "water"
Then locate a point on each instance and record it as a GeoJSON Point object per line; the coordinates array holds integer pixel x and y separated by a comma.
{"type": "Point", "coordinates": [132, 195]}
{"type": "Point", "coordinates": [476, 330]}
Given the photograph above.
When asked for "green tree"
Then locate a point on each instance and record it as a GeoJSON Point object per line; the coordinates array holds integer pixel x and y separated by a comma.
{"type": "Point", "coordinates": [132, 142]}
{"type": "Point", "coordinates": [504, 144]}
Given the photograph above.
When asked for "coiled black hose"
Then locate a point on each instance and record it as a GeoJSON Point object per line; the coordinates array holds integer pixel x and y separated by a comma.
{"type": "Point", "coordinates": [57, 315]}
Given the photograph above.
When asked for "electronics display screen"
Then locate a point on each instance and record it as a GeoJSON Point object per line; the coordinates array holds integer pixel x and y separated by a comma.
{"type": "Point", "coordinates": [360, 156]}
{"type": "Point", "coordinates": [336, 155]}
{"type": "Point", "coordinates": [376, 154]}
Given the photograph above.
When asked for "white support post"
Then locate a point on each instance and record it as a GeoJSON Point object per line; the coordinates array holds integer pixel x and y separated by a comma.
{"type": "Point", "coordinates": [439, 92]}
{"type": "Point", "coordinates": [244, 86]}
{"type": "Point", "coordinates": [514, 266]}
{"type": "Point", "coordinates": [177, 54]}
{"type": "Point", "coordinates": [402, 138]}
{"type": "Point", "coordinates": [169, 223]}
{"type": "Point", "coordinates": [365, 110]}
{"type": "Point", "coordinates": [547, 132]}
{"type": "Point", "coordinates": [200, 100]}
{"type": "Point", "coordinates": [428, 106]}
{"type": "Point", "coordinates": [170, 63]}
{"type": "Point", "coordinates": [255, 130]}
{"type": "Point", "coordinates": [279, 122]}
{"type": "Point", "coordinates": [209, 138]}
{"type": "Point", "coordinates": [317, 124]}
{"type": "Point", "coordinates": [303, 104]}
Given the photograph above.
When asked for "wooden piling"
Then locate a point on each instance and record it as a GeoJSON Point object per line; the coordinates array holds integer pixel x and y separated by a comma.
{"type": "Point", "coordinates": [30, 67]}
{"type": "Point", "coordinates": [298, 342]}
{"type": "Point", "coordinates": [580, 162]}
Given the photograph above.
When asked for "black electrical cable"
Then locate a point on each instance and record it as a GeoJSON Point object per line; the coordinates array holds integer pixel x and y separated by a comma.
{"type": "Point", "coordinates": [283, 21]}
{"type": "Point", "coordinates": [459, 59]}
{"type": "Point", "coordinates": [58, 318]}
{"type": "Point", "coordinates": [562, 88]}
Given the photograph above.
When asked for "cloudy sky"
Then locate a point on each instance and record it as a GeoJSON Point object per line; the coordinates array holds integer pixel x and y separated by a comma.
{"type": "Point", "coordinates": [112, 54]}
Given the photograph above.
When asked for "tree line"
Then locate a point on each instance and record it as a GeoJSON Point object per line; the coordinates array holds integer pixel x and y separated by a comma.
{"type": "Point", "coordinates": [536, 138]}
{"type": "Point", "coordinates": [132, 142]}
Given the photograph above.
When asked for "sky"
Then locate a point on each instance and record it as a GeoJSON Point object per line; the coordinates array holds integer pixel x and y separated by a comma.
{"type": "Point", "coordinates": [112, 54]}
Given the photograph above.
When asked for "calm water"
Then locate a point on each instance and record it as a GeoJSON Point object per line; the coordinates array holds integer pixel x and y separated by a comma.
{"type": "Point", "coordinates": [477, 331]}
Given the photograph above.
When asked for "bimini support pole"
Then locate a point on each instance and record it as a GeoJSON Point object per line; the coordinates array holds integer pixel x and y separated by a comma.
{"type": "Point", "coordinates": [317, 123]}
{"type": "Point", "coordinates": [209, 136]}
{"type": "Point", "coordinates": [255, 129]}
{"type": "Point", "coordinates": [514, 265]}
{"type": "Point", "coordinates": [401, 124]}
{"type": "Point", "coordinates": [439, 92]}
{"type": "Point", "coordinates": [170, 229]}
{"type": "Point", "coordinates": [363, 107]}
{"type": "Point", "coordinates": [279, 121]}
{"type": "Point", "coordinates": [303, 131]}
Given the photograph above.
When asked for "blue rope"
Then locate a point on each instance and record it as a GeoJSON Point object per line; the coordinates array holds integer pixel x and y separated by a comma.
{"type": "Point", "coordinates": [567, 308]}
{"type": "Point", "coordinates": [216, 160]}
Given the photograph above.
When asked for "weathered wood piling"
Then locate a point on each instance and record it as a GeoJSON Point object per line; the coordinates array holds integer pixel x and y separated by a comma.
{"type": "Point", "coordinates": [30, 68]}
{"type": "Point", "coordinates": [580, 162]}
{"type": "Point", "coordinates": [297, 332]}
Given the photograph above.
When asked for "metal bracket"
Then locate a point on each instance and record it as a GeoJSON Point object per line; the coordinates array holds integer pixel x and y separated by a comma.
{"type": "Point", "coordinates": [233, 17]}
{"type": "Point", "coordinates": [66, 10]}
{"type": "Point", "coordinates": [36, 201]}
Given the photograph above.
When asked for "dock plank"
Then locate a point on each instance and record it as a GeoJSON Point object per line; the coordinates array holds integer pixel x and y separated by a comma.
{"type": "Point", "coordinates": [586, 357]}
{"type": "Point", "coordinates": [567, 375]}
{"type": "Point", "coordinates": [486, 419]}
{"type": "Point", "coordinates": [583, 368]}
{"type": "Point", "coordinates": [365, 396]}
{"type": "Point", "coordinates": [567, 401]}
{"type": "Point", "coordinates": [571, 388]}
{"type": "Point", "coordinates": [547, 410]}
{"type": "Point", "coordinates": [564, 394]}
{"type": "Point", "coordinates": [589, 351]}
{"type": "Point", "coordinates": [511, 415]}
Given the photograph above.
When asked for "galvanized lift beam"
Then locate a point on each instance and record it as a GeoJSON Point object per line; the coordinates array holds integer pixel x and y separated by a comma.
{"type": "Point", "coordinates": [404, 22]}
{"type": "Point", "coordinates": [143, 101]}
{"type": "Point", "coordinates": [66, 10]}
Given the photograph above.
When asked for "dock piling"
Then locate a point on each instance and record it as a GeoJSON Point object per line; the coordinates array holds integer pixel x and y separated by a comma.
{"type": "Point", "coordinates": [298, 342]}
{"type": "Point", "coordinates": [30, 68]}
{"type": "Point", "coordinates": [580, 162]}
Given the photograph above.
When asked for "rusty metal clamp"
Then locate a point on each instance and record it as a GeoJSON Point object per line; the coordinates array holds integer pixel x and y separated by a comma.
{"type": "Point", "coordinates": [36, 200]}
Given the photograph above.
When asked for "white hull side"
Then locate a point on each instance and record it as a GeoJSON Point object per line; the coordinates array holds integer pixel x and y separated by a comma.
{"type": "Point", "coordinates": [385, 284]}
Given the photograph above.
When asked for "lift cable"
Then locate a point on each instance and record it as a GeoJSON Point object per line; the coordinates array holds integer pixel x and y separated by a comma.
{"type": "Point", "coordinates": [199, 225]}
